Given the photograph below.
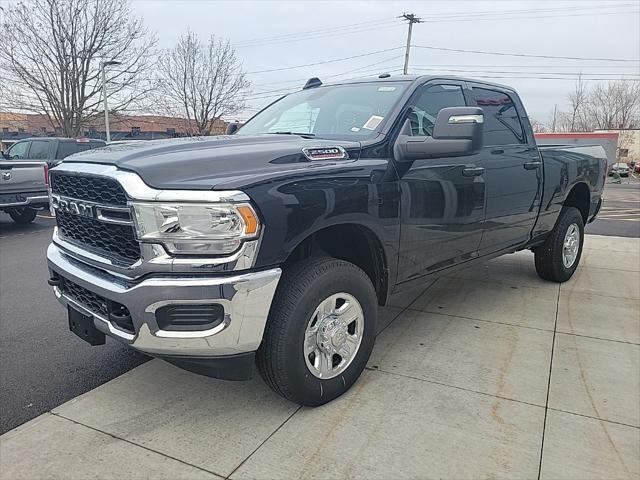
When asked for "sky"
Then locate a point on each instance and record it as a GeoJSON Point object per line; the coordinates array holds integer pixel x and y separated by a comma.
{"type": "Point", "coordinates": [276, 41]}
{"type": "Point", "coordinates": [281, 35]}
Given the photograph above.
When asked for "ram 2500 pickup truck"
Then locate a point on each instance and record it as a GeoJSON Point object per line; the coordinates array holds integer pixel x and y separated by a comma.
{"type": "Point", "coordinates": [275, 244]}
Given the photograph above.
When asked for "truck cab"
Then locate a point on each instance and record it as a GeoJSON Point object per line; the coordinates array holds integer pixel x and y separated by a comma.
{"type": "Point", "coordinates": [51, 150]}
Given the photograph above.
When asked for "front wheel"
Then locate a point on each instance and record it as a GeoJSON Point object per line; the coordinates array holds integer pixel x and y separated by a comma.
{"type": "Point", "coordinates": [23, 215]}
{"type": "Point", "coordinates": [320, 332]}
{"type": "Point", "coordinates": [558, 258]}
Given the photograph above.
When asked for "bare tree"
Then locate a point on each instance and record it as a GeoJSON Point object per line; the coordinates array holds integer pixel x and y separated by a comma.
{"type": "Point", "coordinates": [538, 126]}
{"type": "Point", "coordinates": [201, 82]}
{"type": "Point", "coordinates": [52, 52]}
{"type": "Point", "coordinates": [611, 106]}
{"type": "Point", "coordinates": [615, 105]}
{"type": "Point", "coordinates": [578, 99]}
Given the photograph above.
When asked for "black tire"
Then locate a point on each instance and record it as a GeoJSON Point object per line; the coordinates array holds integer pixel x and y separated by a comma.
{"type": "Point", "coordinates": [549, 258]}
{"type": "Point", "coordinates": [280, 358]}
{"type": "Point", "coordinates": [23, 215]}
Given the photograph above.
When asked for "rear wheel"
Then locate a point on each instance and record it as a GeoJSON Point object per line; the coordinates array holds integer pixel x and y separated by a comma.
{"type": "Point", "coordinates": [320, 331]}
{"type": "Point", "coordinates": [23, 215]}
{"type": "Point", "coordinates": [558, 258]}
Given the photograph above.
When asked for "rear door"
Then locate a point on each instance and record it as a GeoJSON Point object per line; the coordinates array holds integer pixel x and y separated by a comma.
{"type": "Point", "coordinates": [442, 207]}
{"type": "Point", "coordinates": [20, 175]}
{"type": "Point", "coordinates": [69, 147]}
{"type": "Point", "coordinates": [41, 150]}
{"type": "Point", "coordinates": [513, 169]}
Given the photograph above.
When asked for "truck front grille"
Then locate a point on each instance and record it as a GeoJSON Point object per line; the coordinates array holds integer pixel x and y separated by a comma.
{"type": "Point", "coordinates": [114, 241]}
{"type": "Point", "coordinates": [102, 190]}
{"type": "Point", "coordinates": [105, 239]}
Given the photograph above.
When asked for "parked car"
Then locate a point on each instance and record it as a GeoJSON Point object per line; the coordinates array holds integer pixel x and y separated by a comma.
{"type": "Point", "coordinates": [620, 168]}
{"type": "Point", "coordinates": [50, 149]}
{"type": "Point", "coordinates": [637, 168]}
{"type": "Point", "coordinates": [23, 189]}
{"type": "Point", "coordinates": [275, 245]}
{"type": "Point", "coordinates": [24, 173]}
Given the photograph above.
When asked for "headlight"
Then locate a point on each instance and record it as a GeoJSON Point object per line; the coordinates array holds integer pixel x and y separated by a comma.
{"type": "Point", "coordinates": [196, 228]}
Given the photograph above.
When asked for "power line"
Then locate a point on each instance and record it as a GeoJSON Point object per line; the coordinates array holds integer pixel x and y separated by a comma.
{"type": "Point", "coordinates": [481, 52]}
{"type": "Point", "coordinates": [331, 34]}
{"type": "Point", "coordinates": [417, 67]}
{"type": "Point", "coordinates": [300, 80]}
{"type": "Point", "coordinates": [296, 35]}
{"type": "Point", "coordinates": [572, 8]}
{"type": "Point", "coordinates": [324, 61]}
{"type": "Point", "coordinates": [460, 65]}
{"type": "Point", "coordinates": [282, 91]}
{"type": "Point", "coordinates": [531, 17]}
{"type": "Point", "coordinates": [432, 18]}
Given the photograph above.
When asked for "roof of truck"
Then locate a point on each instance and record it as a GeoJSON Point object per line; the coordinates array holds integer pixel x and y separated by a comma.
{"type": "Point", "coordinates": [415, 78]}
{"type": "Point", "coordinates": [64, 139]}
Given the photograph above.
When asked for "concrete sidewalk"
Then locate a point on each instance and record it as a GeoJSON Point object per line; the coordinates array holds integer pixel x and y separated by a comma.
{"type": "Point", "coordinates": [491, 373]}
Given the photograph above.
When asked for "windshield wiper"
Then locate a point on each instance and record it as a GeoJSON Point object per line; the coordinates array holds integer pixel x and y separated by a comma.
{"type": "Point", "coordinates": [304, 135]}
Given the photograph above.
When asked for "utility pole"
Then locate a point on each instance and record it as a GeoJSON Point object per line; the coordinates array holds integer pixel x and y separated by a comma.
{"type": "Point", "coordinates": [411, 18]}
{"type": "Point", "coordinates": [555, 111]}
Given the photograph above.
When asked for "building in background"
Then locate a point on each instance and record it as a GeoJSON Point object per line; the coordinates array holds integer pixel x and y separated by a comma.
{"type": "Point", "coordinates": [628, 144]}
{"type": "Point", "coordinates": [16, 126]}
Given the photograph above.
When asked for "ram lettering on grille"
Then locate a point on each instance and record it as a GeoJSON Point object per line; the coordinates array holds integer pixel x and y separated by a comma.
{"type": "Point", "coordinates": [78, 201]}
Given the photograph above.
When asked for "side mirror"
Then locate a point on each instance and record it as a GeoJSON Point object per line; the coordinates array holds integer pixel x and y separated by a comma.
{"type": "Point", "coordinates": [456, 133]}
{"type": "Point", "coordinates": [232, 128]}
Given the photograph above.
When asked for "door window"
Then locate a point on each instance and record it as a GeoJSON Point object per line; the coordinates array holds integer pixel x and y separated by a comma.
{"type": "Point", "coordinates": [501, 122]}
{"type": "Point", "coordinates": [39, 150]}
{"type": "Point", "coordinates": [431, 100]}
{"type": "Point", "coordinates": [68, 148]}
{"type": "Point", "coordinates": [19, 151]}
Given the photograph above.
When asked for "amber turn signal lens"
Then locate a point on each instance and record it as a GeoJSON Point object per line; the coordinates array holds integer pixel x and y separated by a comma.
{"type": "Point", "coordinates": [249, 218]}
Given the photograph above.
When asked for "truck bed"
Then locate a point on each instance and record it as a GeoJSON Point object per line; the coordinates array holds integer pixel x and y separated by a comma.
{"type": "Point", "coordinates": [20, 181]}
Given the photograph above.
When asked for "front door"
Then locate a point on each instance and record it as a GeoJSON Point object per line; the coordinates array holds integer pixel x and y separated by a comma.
{"type": "Point", "coordinates": [513, 170]}
{"type": "Point", "coordinates": [442, 205]}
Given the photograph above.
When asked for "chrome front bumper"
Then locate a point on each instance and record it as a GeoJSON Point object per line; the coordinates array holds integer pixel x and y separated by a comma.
{"type": "Point", "coordinates": [246, 299]}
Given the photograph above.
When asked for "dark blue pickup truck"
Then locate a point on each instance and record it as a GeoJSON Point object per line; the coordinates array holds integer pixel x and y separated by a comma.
{"type": "Point", "coordinates": [274, 245]}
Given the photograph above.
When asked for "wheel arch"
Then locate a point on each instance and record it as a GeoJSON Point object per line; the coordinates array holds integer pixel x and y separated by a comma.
{"type": "Point", "coordinates": [351, 242]}
{"type": "Point", "coordinates": [579, 197]}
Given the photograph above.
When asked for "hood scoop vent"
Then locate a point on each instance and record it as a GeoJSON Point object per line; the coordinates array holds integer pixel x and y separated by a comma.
{"type": "Point", "coordinates": [325, 153]}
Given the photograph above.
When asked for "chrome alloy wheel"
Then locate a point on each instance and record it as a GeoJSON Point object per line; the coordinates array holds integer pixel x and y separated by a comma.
{"type": "Point", "coordinates": [333, 335]}
{"type": "Point", "coordinates": [571, 245]}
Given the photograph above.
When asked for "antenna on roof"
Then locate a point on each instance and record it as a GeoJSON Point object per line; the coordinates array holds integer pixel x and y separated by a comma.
{"type": "Point", "coordinates": [313, 82]}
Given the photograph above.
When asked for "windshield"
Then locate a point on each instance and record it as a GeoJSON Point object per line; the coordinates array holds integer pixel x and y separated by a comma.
{"type": "Point", "coordinates": [351, 111]}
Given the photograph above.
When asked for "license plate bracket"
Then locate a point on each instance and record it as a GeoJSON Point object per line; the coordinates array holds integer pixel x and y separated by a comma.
{"type": "Point", "coordinates": [82, 325]}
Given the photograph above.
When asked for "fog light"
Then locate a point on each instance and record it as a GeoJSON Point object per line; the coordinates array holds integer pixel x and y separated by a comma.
{"type": "Point", "coordinates": [189, 317]}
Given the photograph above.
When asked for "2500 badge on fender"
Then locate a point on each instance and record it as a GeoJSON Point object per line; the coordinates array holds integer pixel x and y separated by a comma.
{"type": "Point", "coordinates": [276, 245]}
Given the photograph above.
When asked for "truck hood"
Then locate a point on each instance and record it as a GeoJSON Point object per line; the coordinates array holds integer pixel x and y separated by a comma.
{"type": "Point", "coordinates": [223, 162]}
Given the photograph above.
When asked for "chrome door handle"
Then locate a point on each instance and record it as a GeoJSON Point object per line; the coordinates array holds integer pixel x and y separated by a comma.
{"type": "Point", "coordinates": [472, 171]}
{"type": "Point", "coordinates": [532, 165]}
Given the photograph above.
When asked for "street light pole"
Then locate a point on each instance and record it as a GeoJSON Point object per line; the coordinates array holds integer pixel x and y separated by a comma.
{"type": "Point", "coordinates": [104, 96]}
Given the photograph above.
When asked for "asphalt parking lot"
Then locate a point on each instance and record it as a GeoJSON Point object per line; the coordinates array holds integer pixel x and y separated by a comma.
{"type": "Point", "coordinates": [42, 364]}
{"type": "Point", "coordinates": [491, 373]}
